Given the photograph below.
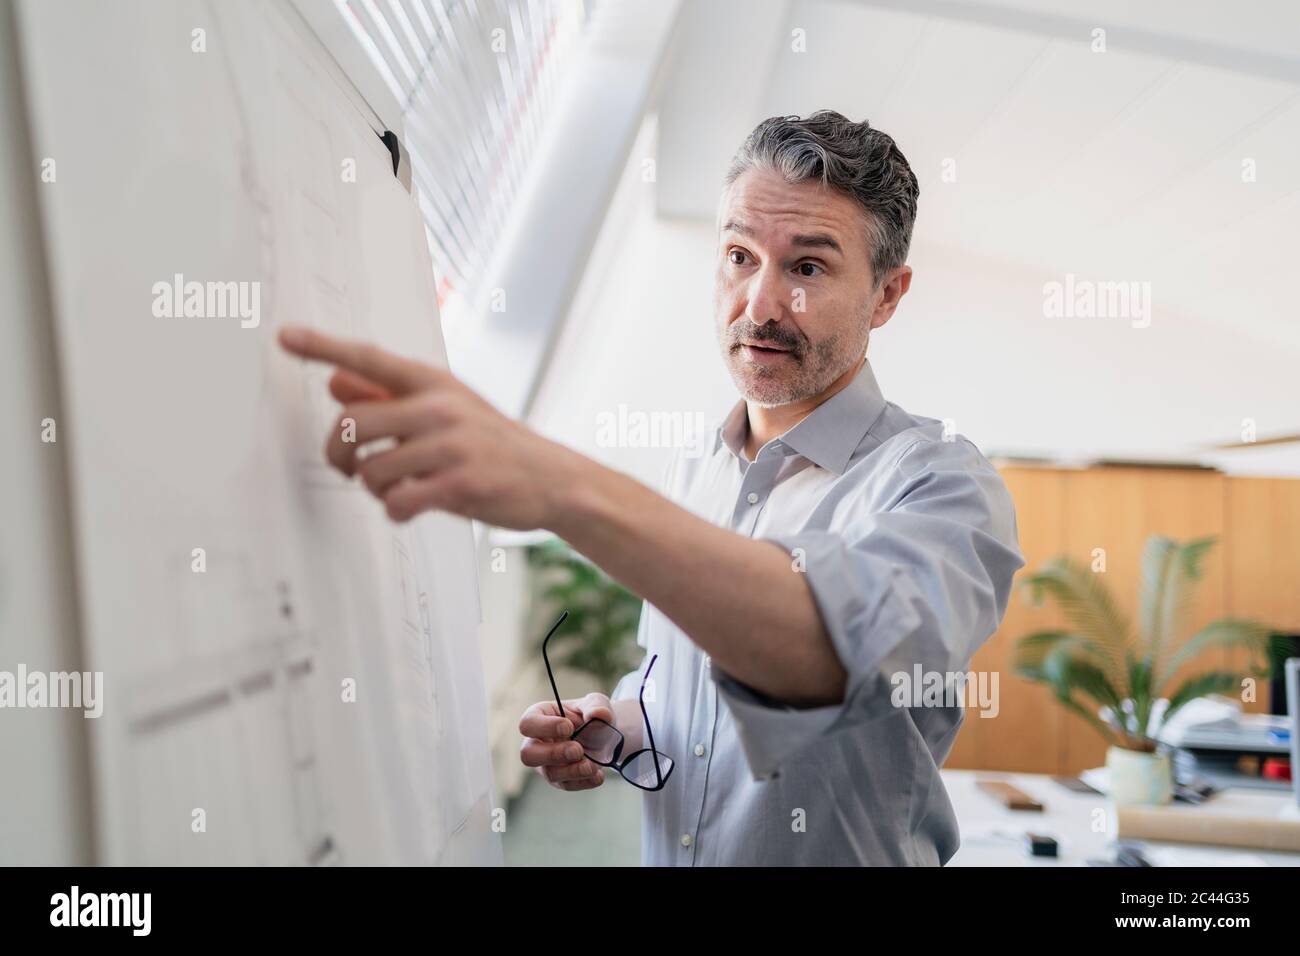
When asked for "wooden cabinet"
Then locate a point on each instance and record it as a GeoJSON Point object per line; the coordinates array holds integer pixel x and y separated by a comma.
{"type": "Point", "coordinates": [1108, 514]}
{"type": "Point", "coordinates": [1026, 733]}
{"type": "Point", "coordinates": [1262, 557]}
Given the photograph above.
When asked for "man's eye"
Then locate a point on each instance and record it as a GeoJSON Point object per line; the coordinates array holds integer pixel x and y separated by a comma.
{"type": "Point", "coordinates": [808, 269]}
{"type": "Point", "coordinates": [737, 257]}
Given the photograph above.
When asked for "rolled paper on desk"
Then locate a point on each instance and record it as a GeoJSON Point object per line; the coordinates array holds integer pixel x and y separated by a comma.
{"type": "Point", "coordinates": [1186, 825]}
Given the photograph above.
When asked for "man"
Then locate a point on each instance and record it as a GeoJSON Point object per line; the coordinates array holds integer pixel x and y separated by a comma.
{"type": "Point", "coordinates": [828, 541]}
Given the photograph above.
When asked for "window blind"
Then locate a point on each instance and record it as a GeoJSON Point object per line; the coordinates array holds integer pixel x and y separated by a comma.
{"type": "Point", "coordinates": [475, 79]}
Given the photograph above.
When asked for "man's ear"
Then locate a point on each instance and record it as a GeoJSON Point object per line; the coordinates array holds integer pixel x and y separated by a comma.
{"type": "Point", "coordinates": [893, 289]}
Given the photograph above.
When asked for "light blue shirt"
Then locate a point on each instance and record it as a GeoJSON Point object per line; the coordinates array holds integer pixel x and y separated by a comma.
{"type": "Point", "coordinates": [908, 540]}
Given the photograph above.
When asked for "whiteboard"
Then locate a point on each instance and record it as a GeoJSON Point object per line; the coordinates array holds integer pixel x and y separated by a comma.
{"type": "Point", "coordinates": [289, 677]}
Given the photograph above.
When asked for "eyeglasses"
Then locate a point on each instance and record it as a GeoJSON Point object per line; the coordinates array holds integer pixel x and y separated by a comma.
{"type": "Point", "coordinates": [603, 743]}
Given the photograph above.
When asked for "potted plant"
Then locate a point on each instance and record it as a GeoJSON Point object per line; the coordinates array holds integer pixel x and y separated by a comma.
{"type": "Point", "coordinates": [599, 636]}
{"type": "Point", "coordinates": [1128, 675]}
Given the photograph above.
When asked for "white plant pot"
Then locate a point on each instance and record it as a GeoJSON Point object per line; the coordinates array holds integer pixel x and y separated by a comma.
{"type": "Point", "coordinates": [1139, 779]}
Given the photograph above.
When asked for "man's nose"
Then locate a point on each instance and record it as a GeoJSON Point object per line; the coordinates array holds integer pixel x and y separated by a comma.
{"type": "Point", "coordinates": [768, 300]}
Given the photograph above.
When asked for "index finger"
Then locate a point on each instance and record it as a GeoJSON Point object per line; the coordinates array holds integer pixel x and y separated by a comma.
{"type": "Point", "coordinates": [544, 725]}
{"type": "Point", "coordinates": [398, 374]}
{"type": "Point", "coordinates": [348, 387]}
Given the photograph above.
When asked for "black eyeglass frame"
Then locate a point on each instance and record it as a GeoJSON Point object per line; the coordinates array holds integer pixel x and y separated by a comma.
{"type": "Point", "coordinates": [614, 763]}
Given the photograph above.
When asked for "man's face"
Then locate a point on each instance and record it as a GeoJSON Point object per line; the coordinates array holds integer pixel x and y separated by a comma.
{"type": "Point", "coordinates": [793, 291]}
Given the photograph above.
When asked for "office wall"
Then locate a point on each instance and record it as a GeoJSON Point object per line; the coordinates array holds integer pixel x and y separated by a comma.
{"type": "Point", "coordinates": [43, 751]}
{"type": "Point", "coordinates": [970, 342]}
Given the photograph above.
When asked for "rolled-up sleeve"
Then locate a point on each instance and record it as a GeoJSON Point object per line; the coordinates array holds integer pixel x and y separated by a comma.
{"type": "Point", "coordinates": [922, 577]}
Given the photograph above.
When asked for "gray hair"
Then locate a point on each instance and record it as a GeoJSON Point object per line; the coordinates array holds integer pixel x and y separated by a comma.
{"type": "Point", "coordinates": [854, 159]}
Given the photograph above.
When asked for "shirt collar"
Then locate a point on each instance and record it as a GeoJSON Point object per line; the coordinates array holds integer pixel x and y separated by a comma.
{"type": "Point", "coordinates": [830, 434]}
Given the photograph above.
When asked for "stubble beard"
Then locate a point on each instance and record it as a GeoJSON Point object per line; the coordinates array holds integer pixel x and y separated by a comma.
{"type": "Point", "coordinates": [808, 372]}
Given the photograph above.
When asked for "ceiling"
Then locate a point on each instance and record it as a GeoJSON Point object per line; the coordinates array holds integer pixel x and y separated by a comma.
{"type": "Point", "coordinates": [1126, 165]}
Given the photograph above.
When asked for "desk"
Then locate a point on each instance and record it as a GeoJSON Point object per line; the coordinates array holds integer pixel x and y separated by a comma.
{"type": "Point", "coordinates": [1069, 816]}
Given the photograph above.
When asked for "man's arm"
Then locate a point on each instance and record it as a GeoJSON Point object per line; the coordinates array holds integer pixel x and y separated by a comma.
{"type": "Point", "coordinates": [737, 598]}
{"type": "Point", "coordinates": [920, 583]}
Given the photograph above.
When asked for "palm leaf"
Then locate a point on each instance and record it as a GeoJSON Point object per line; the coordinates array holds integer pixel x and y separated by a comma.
{"type": "Point", "coordinates": [1168, 569]}
{"type": "Point", "coordinates": [1063, 693]}
{"type": "Point", "coordinates": [1053, 658]}
{"type": "Point", "coordinates": [1032, 649]}
{"type": "Point", "coordinates": [1157, 561]}
{"type": "Point", "coordinates": [1141, 672]}
{"type": "Point", "coordinates": [1088, 605]}
{"type": "Point", "coordinates": [1228, 633]}
{"type": "Point", "coordinates": [1211, 682]}
{"type": "Point", "coordinates": [1097, 723]}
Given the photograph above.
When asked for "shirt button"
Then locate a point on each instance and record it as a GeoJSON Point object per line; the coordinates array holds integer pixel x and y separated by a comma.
{"type": "Point", "coordinates": [752, 498]}
{"type": "Point", "coordinates": [686, 839]}
{"type": "Point", "coordinates": [708, 661]}
{"type": "Point", "coordinates": [699, 750]}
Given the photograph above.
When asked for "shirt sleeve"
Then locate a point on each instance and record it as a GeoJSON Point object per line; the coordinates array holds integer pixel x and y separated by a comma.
{"type": "Point", "coordinates": [922, 579]}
